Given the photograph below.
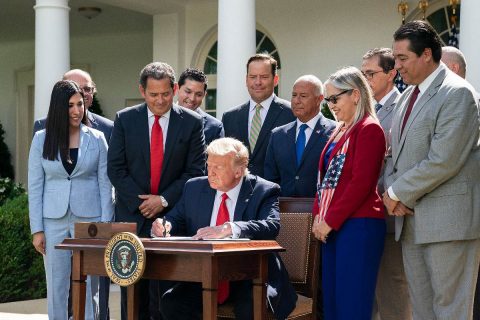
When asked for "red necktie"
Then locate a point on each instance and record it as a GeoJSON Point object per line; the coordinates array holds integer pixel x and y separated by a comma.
{"type": "Point", "coordinates": [156, 156]}
{"type": "Point", "coordinates": [222, 217]}
{"type": "Point", "coordinates": [413, 98]}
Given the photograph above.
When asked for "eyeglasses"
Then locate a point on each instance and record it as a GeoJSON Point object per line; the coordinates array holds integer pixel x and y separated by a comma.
{"type": "Point", "coordinates": [334, 98]}
{"type": "Point", "coordinates": [88, 89]}
{"type": "Point", "coordinates": [369, 74]}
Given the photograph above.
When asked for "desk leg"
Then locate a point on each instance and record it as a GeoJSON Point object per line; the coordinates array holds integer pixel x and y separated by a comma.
{"type": "Point", "coordinates": [260, 290]}
{"type": "Point", "coordinates": [132, 302]}
{"type": "Point", "coordinates": [209, 286]}
{"type": "Point", "coordinates": [79, 287]}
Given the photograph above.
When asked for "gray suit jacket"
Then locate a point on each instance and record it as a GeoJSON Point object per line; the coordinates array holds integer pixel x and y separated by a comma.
{"type": "Point", "coordinates": [87, 191]}
{"type": "Point", "coordinates": [435, 162]}
{"type": "Point", "coordinates": [385, 115]}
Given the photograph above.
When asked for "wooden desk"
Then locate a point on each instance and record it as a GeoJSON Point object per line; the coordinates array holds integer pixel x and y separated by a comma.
{"type": "Point", "coordinates": [196, 261]}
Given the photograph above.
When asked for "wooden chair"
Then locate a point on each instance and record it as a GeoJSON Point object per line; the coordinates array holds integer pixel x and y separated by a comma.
{"type": "Point", "coordinates": [301, 257]}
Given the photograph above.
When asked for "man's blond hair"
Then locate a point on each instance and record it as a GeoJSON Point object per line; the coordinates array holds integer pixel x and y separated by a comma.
{"type": "Point", "coordinates": [230, 146]}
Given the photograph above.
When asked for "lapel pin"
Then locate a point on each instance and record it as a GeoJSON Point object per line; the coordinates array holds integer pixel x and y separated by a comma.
{"type": "Point", "coordinates": [318, 131]}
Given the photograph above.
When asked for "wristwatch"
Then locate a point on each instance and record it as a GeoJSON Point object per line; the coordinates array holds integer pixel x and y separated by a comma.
{"type": "Point", "coordinates": [164, 202]}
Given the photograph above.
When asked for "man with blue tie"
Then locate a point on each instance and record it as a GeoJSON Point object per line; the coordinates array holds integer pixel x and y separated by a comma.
{"type": "Point", "coordinates": [391, 296]}
{"type": "Point", "coordinates": [294, 149]}
{"type": "Point", "coordinates": [253, 121]}
{"type": "Point", "coordinates": [192, 89]}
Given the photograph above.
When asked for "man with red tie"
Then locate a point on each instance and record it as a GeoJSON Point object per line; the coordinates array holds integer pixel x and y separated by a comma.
{"type": "Point", "coordinates": [155, 148]}
{"type": "Point", "coordinates": [228, 203]}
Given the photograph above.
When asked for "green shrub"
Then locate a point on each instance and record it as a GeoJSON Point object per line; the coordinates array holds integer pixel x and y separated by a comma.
{"type": "Point", "coordinates": [22, 275]}
{"type": "Point", "coordinates": [9, 190]}
{"type": "Point", "coordinates": [326, 111]}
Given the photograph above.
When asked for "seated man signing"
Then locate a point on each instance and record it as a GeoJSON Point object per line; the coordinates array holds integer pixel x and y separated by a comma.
{"type": "Point", "coordinates": [229, 203]}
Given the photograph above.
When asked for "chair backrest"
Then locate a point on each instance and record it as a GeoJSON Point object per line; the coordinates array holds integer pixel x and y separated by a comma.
{"type": "Point", "coordinates": [301, 257]}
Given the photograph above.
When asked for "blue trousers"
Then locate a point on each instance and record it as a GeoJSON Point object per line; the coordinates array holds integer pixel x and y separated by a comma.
{"type": "Point", "coordinates": [350, 262]}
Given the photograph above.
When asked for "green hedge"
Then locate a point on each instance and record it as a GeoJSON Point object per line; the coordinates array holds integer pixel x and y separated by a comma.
{"type": "Point", "coordinates": [22, 275]}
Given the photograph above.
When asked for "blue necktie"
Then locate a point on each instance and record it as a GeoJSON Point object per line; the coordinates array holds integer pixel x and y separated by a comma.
{"type": "Point", "coordinates": [378, 106]}
{"type": "Point", "coordinates": [301, 141]}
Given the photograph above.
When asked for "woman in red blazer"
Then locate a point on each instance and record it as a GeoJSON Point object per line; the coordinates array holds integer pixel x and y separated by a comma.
{"type": "Point", "coordinates": [348, 211]}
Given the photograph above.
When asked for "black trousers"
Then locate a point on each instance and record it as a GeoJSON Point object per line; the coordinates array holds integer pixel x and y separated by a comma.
{"type": "Point", "coordinates": [184, 301]}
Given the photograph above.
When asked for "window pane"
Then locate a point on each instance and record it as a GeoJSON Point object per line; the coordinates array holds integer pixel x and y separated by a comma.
{"type": "Point", "coordinates": [438, 20]}
{"type": "Point", "coordinates": [210, 66]}
{"type": "Point", "coordinates": [213, 52]}
{"type": "Point", "coordinates": [210, 102]}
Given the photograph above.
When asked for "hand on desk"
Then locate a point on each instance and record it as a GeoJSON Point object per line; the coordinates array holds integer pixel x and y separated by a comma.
{"type": "Point", "coordinates": [217, 232]}
{"type": "Point", "coordinates": [161, 228]}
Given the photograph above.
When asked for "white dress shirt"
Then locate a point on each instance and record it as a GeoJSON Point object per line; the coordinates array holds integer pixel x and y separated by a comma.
{"type": "Point", "coordinates": [387, 96]}
{"type": "Point", "coordinates": [422, 87]}
{"type": "Point", "coordinates": [310, 127]}
{"type": "Point", "coordinates": [263, 112]}
{"type": "Point", "coordinates": [231, 203]}
{"type": "Point", "coordinates": [164, 120]}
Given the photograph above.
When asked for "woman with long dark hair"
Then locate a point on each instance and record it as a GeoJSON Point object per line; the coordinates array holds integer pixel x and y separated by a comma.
{"type": "Point", "coordinates": [67, 183]}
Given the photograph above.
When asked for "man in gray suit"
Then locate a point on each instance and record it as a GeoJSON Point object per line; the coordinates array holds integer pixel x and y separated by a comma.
{"type": "Point", "coordinates": [433, 178]}
{"type": "Point", "coordinates": [391, 296]}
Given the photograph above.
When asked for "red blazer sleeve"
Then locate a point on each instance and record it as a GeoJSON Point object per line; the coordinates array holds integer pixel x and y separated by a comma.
{"type": "Point", "coordinates": [358, 182]}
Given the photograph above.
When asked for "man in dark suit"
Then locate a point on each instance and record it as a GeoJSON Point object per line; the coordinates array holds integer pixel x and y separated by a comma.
{"type": "Point", "coordinates": [294, 149]}
{"type": "Point", "coordinates": [252, 122]}
{"type": "Point", "coordinates": [227, 203]}
{"type": "Point", "coordinates": [155, 148]}
{"type": "Point", "coordinates": [391, 296]}
{"type": "Point", "coordinates": [192, 89]}
{"type": "Point", "coordinates": [100, 285]}
{"type": "Point", "coordinates": [84, 81]}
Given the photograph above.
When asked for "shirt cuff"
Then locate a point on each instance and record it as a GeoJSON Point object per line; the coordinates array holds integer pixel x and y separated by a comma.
{"type": "Point", "coordinates": [392, 195]}
{"type": "Point", "coordinates": [235, 230]}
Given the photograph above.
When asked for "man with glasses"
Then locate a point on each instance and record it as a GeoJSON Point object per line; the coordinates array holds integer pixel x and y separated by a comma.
{"type": "Point", "coordinates": [100, 285]}
{"type": "Point", "coordinates": [84, 81]}
{"type": "Point", "coordinates": [391, 296]}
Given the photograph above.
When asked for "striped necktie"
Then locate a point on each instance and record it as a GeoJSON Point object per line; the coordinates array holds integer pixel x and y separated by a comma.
{"type": "Point", "coordinates": [255, 127]}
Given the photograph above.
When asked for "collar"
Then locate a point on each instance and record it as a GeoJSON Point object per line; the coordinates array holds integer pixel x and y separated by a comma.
{"type": "Point", "coordinates": [310, 123]}
{"type": "Point", "coordinates": [232, 193]}
{"type": "Point", "coordinates": [387, 96]}
{"type": "Point", "coordinates": [166, 115]}
{"type": "Point", "coordinates": [265, 103]}
{"type": "Point", "coordinates": [428, 81]}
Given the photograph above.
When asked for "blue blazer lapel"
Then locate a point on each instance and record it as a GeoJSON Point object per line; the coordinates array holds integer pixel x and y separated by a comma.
{"type": "Point", "coordinates": [174, 125]}
{"type": "Point", "coordinates": [291, 146]}
{"type": "Point", "coordinates": [205, 206]}
{"type": "Point", "coordinates": [243, 198]}
{"type": "Point", "coordinates": [318, 136]}
{"type": "Point", "coordinates": [83, 148]}
{"type": "Point", "coordinates": [243, 124]}
{"type": "Point", "coordinates": [143, 134]}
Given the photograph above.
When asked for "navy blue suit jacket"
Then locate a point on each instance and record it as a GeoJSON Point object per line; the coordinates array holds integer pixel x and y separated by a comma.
{"type": "Point", "coordinates": [296, 180]}
{"type": "Point", "coordinates": [129, 160]}
{"type": "Point", "coordinates": [212, 127]}
{"type": "Point", "coordinates": [96, 122]}
{"type": "Point", "coordinates": [235, 122]}
{"type": "Point", "coordinates": [256, 214]}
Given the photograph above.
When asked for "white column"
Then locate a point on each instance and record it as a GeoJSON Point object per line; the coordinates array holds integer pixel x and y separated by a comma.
{"type": "Point", "coordinates": [236, 43]}
{"type": "Point", "coordinates": [52, 49]}
{"type": "Point", "coordinates": [169, 39]}
{"type": "Point", "coordinates": [469, 44]}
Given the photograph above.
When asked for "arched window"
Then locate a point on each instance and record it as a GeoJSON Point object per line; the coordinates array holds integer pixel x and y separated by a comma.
{"type": "Point", "coordinates": [264, 45]}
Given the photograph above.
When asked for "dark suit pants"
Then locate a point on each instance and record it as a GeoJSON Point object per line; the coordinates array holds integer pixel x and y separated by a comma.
{"type": "Point", "coordinates": [184, 301]}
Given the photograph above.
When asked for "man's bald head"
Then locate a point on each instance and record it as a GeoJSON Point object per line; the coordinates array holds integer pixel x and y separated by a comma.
{"type": "Point", "coordinates": [455, 60]}
{"type": "Point", "coordinates": [84, 81]}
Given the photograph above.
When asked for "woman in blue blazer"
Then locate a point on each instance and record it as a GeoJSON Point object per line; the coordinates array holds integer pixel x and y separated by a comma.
{"type": "Point", "coordinates": [67, 183]}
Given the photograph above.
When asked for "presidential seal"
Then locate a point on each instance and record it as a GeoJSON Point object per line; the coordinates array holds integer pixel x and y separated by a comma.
{"type": "Point", "coordinates": [124, 258]}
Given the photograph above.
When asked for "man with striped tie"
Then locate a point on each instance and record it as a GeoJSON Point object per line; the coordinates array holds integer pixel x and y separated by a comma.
{"type": "Point", "coordinates": [253, 121]}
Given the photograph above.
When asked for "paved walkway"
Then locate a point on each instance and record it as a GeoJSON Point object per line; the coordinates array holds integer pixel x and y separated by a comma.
{"type": "Point", "coordinates": [37, 309]}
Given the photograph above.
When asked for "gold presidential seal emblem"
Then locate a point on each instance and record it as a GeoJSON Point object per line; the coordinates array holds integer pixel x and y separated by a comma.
{"type": "Point", "coordinates": [124, 258]}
